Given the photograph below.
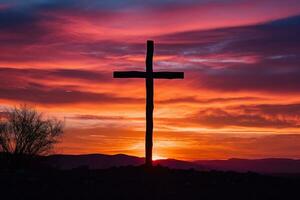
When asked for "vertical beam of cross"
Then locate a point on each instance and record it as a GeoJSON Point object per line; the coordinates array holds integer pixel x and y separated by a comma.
{"type": "Point", "coordinates": [149, 103]}
{"type": "Point", "coordinates": [149, 75]}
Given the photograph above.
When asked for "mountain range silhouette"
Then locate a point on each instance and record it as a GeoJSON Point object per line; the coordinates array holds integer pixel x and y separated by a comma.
{"type": "Point", "coordinates": [102, 161]}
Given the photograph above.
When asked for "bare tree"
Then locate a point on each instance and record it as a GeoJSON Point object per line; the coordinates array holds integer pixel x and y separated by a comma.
{"type": "Point", "coordinates": [25, 131]}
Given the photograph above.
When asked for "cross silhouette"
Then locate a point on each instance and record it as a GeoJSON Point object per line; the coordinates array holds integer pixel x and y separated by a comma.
{"type": "Point", "coordinates": [149, 75]}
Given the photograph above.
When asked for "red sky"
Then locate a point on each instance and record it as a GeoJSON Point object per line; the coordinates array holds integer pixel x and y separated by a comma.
{"type": "Point", "coordinates": [240, 96]}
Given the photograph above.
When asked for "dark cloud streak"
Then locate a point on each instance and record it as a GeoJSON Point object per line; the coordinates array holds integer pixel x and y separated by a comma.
{"type": "Point", "coordinates": [46, 95]}
{"type": "Point", "coordinates": [261, 115]}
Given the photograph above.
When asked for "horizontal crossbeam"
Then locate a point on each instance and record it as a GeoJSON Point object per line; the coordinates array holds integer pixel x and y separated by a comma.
{"type": "Point", "coordinates": [130, 74]}
{"type": "Point", "coordinates": [156, 75]}
{"type": "Point", "coordinates": [168, 75]}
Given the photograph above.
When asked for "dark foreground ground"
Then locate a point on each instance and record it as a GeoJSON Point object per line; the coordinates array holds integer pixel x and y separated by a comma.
{"type": "Point", "coordinates": [138, 183]}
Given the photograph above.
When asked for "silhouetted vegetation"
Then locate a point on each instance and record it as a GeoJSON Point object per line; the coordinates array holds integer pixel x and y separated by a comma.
{"type": "Point", "coordinates": [25, 133]}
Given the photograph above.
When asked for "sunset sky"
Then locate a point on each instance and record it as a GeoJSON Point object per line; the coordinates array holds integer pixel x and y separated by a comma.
{"type": "Point", "coordinates": [241, 58]}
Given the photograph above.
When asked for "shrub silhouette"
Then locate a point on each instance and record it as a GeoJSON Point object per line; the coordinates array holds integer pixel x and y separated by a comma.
{"type": "Point", "coordinates": [24, 132]}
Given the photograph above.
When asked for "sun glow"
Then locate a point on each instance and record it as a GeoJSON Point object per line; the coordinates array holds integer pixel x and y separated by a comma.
{"type": "Point", "coordinates": [158, 157]}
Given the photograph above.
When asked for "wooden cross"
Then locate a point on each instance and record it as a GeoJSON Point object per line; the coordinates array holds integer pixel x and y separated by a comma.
{"type": "Point", "coordinates": [149, 75]}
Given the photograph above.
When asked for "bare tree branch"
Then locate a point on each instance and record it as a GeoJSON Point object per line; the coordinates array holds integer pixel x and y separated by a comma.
{"type": "Point", "coordinates": [27, 132]}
